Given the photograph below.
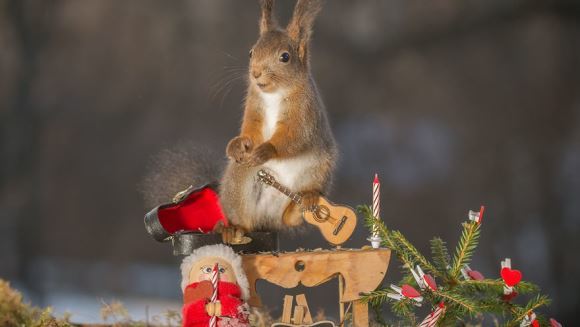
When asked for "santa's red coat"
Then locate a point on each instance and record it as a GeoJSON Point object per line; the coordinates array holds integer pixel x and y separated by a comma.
{"type": "Point", "coordinates": [229, 295]}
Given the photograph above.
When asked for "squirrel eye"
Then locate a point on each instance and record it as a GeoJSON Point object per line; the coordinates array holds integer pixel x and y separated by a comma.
{"type": "Point", "coordinates": [284, 57]}
{"type": "Point", "coordinates": [250, 53]}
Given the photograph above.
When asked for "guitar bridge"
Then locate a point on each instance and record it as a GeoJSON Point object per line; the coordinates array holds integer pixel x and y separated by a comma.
{"type": "Point", "coordinates": [340, 225]}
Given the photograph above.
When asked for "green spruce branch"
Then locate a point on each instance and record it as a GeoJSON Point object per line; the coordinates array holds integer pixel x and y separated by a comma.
{"type": "Point", "coordinates": [440, 253]}
{"type": "Point", "coordinates": [465, 300]}
{"type": "Point", "coordinates": [376, 224]}
{"type": "Point", "coordinates": [461, 303]}
{"type": "Point", "coordinates": [415, 254]}
{"type": "Point", "coordinates": [376, 297]}
{"type": "Point", "coordinates": [494, 286]}
{"type": "Point", "coordinates": [394, 240]}
{"type": "Point", "coordinates": [467, 244]}
{"type": "Point", "coordinates": [403, 308]}
{"type": "Point", "coordinates": [520, 313]}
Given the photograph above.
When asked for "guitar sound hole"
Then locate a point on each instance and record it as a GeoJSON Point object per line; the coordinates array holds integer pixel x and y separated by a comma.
{"type": "Point", "coordinates": [321, 214]}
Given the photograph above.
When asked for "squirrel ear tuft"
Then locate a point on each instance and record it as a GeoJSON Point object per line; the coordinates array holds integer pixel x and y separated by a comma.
{"type": "Point", "coordinates": [300, 26]}
{"type": "Point", "coordinates": [268, 21]}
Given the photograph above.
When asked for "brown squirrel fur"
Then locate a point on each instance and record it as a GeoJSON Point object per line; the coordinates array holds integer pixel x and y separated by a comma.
{"type": "Point", "coordinates": [285, 129]}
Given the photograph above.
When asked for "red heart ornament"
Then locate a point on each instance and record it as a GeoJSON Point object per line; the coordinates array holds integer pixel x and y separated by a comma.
{"type": "Point", "coordinates": [536, 323]}
{"type": "Point", "coordinates": [430, 282]}
{"type": "Point", "coordinates": [475, 275]}
{"type": "Point", "coordinates": [511, 276]}
{"type": "Point", "coordinates": [409, 291]}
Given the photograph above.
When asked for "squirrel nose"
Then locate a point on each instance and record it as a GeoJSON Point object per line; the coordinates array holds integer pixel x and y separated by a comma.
{"type": "Point", "coordinates": [256, 73]}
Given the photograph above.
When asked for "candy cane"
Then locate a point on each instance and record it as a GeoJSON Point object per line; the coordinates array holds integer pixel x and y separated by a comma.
{"type": "Point", "coordinates": [433, 317]}
{"type": "Point", "coordinates": [215, 276]}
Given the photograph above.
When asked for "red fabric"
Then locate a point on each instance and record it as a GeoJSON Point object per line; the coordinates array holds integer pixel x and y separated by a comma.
{"type": "Point", "coordinates": [200, 211]}
{"type": "Point", "coordinates": [195, 315]}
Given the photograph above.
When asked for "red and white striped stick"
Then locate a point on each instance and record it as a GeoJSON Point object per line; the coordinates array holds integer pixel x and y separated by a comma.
{"type": "Point", "coordinates": [433, 317]}
{"type": "Point", "coordinates": [215, 276]}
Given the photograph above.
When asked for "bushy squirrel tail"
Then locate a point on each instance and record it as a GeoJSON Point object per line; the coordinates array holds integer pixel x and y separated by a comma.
{"type": "Point", "coordinates": [174, 169]}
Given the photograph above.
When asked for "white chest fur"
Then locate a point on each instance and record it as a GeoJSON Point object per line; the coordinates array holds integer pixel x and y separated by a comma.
{"type": "Point", "coordinates": [295, 173]}
{"type": "Point", "coordinates": [272, 104]}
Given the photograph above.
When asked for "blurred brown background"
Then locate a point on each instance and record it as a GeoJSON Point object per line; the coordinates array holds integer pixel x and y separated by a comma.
{"type": "Point", "coordinates": [454, 104]}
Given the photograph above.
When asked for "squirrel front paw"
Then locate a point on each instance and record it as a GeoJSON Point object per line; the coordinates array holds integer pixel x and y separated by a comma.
{"type": "Point", "coordinates": [239, 149]}
{"type": "Point", "coordinates": [262, 153]}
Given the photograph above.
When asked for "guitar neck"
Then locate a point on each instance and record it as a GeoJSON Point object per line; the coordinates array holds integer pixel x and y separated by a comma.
{"type": "Point", "coordinates": [270, 180]}
{"type": "Point", "coordinates": [295, 197]}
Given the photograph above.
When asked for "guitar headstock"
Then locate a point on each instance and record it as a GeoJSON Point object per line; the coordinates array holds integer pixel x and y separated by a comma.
{"type": "Point", "coordinates": [265, 177]}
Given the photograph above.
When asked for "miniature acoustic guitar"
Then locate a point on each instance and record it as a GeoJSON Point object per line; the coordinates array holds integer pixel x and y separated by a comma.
{"type": "Point", "coordinates": [336, 222]}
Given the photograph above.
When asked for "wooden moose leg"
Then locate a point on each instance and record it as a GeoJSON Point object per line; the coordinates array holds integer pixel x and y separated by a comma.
{"type": "Point", "coordinates": [301, 300]}
{"type": "Point", "coordinates": [287, 311]}
{"type": "Point", "coordinates": [360, 314]}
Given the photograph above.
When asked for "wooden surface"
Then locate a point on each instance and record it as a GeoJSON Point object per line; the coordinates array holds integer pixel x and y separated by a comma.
{"type": "Point", "coordinates": [360, 314]}
{"type": "Point", "coordinates": [363, 270]}
{"type": "Point", "coordinates": [341, 312]}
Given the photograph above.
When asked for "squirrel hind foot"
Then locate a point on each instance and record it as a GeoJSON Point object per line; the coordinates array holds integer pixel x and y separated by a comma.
{"type": "Point", "coordinates": [292, 216]}
{"type": "Point", "coordinates": [234, 235]}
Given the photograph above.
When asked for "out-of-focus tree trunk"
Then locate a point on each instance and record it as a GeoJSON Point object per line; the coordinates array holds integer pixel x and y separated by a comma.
{"type": "Point", "coordinates": [21, 127]}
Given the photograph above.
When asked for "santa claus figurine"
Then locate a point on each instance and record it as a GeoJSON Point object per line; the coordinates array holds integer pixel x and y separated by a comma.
{"type": "Point", "coordinates": [204, 304]}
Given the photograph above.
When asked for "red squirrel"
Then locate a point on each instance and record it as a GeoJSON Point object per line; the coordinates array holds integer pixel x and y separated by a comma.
{"type": "Point", "coordinates": [285, 129]}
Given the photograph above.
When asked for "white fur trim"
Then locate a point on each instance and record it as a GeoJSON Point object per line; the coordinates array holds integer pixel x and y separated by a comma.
{"type": "Point", "coordinates": [221, 251]}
